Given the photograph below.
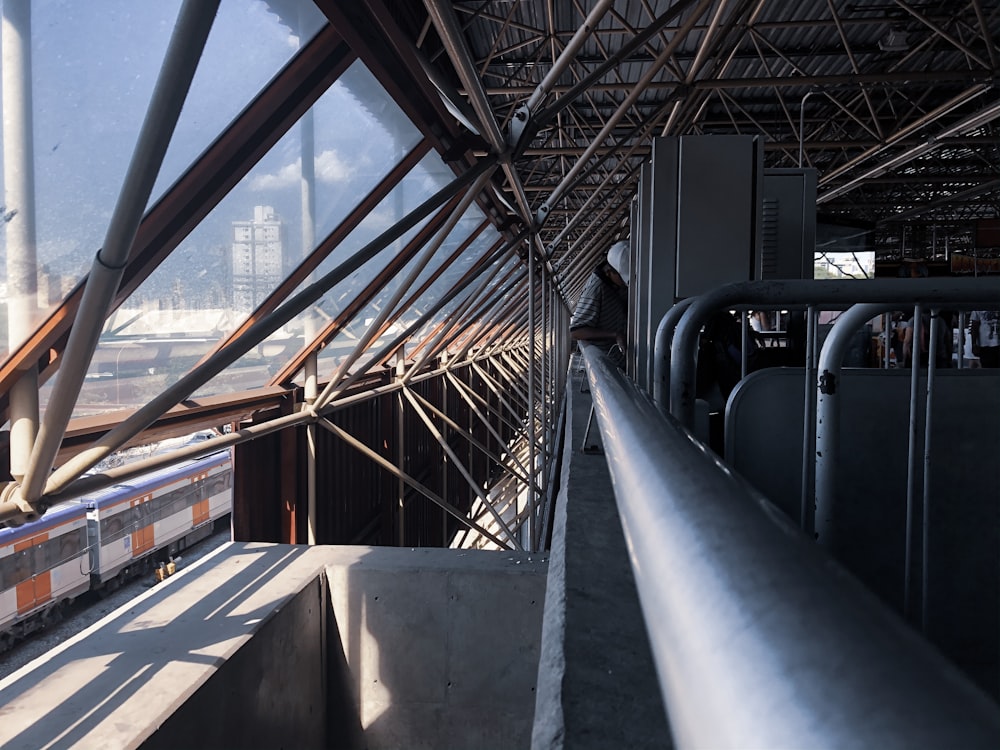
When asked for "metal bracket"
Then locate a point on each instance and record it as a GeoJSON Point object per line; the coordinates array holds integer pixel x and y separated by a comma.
{"type": "Point", "coordinates": [827, 383]}
{"type": "Point", "coordinates": [518, 124]}
{"type": "Point", "coordinates": [587, 446]}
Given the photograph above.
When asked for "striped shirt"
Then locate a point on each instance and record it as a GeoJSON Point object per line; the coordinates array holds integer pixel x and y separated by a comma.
{"type": "Point", "coordinates": [601, 305]}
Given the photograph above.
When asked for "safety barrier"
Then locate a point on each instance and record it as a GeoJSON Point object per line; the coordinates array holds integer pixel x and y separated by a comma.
{"type": "Point", "coordinates": [759, 639]}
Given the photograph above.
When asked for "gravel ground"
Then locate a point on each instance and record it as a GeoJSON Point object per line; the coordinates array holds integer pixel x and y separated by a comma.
{"type": "Point", "coordinates": [90, 608]}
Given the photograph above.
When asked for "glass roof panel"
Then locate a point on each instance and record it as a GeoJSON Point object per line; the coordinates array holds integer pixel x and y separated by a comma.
{"type": "Point", "coordinates": [247, 245]}
{"type": "Point", "coordinates": [484, 244]}
{"type": "Point", "coordinates": [426, 178]}
{"type": "Point", "coordinates": [449, 276]}
{"type": "Point", "coordinates": [412, 309]}
{"type": "Point", "coordinates": [93, 74]}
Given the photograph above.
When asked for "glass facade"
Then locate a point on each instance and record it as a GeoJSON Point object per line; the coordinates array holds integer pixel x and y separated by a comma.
{"type": "Point", "coordinates": [92, 76]}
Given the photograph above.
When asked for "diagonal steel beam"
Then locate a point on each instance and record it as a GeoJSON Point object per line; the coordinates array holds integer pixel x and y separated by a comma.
{"type": "Point", "coordinates": [431, 348]}
{"type": "Point", "coordinates": [460, 467]}
{"type": "Point", "coordinates": [467, 394]}
{"type": "Point", "coordinates": [430, 495]}
{"type": "Point", "coordinates": [942, 33]}
{"type": "Point", "coordinates": [493, 386]}
{"type": "Point", "coordinates": [259, 331]}
{"type": "Point", "coordinates": [470, 393]}
{"type": "Point", "coordinates": [520, 472]}
{"type": "Point", "coordinates": [333, 386]}
{"type": "Point", "coordinates": [183, 54]}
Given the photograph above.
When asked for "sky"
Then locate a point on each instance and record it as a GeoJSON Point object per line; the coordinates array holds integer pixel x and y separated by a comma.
{"type": "Point", "coordinates": [94, 67]}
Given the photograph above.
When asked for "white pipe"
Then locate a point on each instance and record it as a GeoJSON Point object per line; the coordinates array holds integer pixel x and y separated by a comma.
{"type": "Point", "coordinates": [19, 205]}
{"type": "Point", "coordinates": [828, 387]}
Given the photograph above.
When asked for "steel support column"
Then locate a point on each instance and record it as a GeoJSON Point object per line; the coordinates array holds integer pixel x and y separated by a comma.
{"type": "Point", "coordinates": [183, 53]}
{"type": "Point", "coordinates": [17, 213]}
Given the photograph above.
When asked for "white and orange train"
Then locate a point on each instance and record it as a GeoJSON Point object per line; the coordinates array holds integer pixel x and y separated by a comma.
{"type": "Point", "coordinates": [98, 541]}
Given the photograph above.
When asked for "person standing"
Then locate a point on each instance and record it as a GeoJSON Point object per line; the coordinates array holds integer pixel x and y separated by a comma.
{"type": "Point", "coordinates": [601, 313]}
{"type": "Point", "coordinates": [983, 325]}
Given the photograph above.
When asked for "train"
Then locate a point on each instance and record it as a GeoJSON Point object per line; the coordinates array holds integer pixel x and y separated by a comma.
{"type": "Point", "coordinates": [99, 541]}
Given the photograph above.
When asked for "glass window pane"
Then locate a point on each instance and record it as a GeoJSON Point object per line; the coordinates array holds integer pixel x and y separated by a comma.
{"type": "Point", "coordinates": [426, 178]}
{"type": "Point", "coordinates": [93, 75]}
{"type": "Point", "coordinates": [240, 253]}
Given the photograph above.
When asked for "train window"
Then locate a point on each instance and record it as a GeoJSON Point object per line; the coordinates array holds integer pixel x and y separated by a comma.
{"type": "Point", "coordinates": [20, 566]}
{"type": "Point", "coordinates": [71, 544]}
{"type": "Point", "coordinates": [43, 556]}
{"type": "Point", "coordinates": [111, 528]}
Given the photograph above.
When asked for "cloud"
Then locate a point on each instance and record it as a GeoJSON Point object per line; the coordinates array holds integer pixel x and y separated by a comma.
{"type": "Point", "coordinates": [330, 168]}
{"type": "Point", "coordinates": [285, 177]}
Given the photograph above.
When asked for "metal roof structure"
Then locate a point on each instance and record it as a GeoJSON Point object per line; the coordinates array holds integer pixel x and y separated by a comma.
{"type": "Point", "coordinates": [892, 102]}
{"type": "Point", "coordinates": [342, 240]}
{"type": "Point", "coordinates": [364, 124]}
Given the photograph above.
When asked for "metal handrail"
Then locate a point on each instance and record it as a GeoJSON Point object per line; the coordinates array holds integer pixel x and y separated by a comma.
{"type": "Point", "coordinates": [684, 346]}
{"type": "Point", "coordinates": [759, 639]}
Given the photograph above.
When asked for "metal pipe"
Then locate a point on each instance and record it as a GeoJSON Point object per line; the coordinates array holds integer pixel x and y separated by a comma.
{"type": "Point", "coordinates": [401, 469]}
{"type": "Point", "coordinates": [807, 504]}
{"type": "Point", "coordinates": [589, 82]}
{"type": "Point", "coordinates": [309, 393]}
{"type": "Point", "coordinates": [550, 497]}
{"type": "Point", "coordinates": [932, 347]}
{"type": "Point", "coordinates": [307, 200]}
{"type": "Point", "coordinates": [548, 401]}
{"type": "Point", "coordinates": [828, 416]}
{"type": "Point", "coordinates": [20, 228]}
{"type": "Point", "coordinates": [757, 639]}
{"type": "Point", "coordinates": [569, 53]}
{"type": "Point", "coordinates": [253, 335]}
{"type": "Point", "coordinates": [802, 123]}
{"type": "Point", "coordinates": [183, 53]}
{"type": "Point", "coordinates": [840, 293]}
{"type": "Point", "coordinates": [911, 458]}
{"type": "Point", "coordinates": [962, 323]}
{"type": "Point", "coordinates": [662, 341]}
{"type": "Point", "coordinates": [532, 402]}
{"type": "Point", "coordinates": [453, 39]}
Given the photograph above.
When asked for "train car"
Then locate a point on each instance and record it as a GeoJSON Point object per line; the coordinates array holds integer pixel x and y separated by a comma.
{"type": "Point", "coordinates": [158, 514]}
{"type": "Point", "coordinates": [43, 566]}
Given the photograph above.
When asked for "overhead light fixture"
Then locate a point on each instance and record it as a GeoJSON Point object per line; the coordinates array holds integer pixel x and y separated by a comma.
{"type": "Point", "coordinates": [894, 40]}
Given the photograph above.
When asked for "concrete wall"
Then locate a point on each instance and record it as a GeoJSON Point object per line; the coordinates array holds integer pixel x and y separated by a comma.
{"type": "Point", "coordinates": [269, 694]}
{"type": "Point", "coordinates": [274, 646]}
{"type": "Point", "coordinates": [445, 654]}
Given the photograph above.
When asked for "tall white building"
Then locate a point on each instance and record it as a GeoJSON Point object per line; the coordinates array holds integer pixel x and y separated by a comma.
{"type": "Point", "coordinates": [256, 258]}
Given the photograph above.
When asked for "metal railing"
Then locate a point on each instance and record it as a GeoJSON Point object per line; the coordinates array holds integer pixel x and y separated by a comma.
{"type": "Point", "coordinates": [676, 350]}
{"type": "Point", "coordinates": [759, 639]}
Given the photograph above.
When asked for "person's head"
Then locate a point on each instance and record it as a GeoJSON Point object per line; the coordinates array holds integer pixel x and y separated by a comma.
{"type": "Point", "coordinates": [618, 260]}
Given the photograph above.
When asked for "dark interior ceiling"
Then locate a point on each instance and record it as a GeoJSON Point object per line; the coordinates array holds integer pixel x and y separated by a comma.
{"type": "Point", "coordinates": [893, 102]}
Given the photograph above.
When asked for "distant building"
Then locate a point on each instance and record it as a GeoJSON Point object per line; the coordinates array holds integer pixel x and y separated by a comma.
{"type": "Point", "coordinates": [256, 258]}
